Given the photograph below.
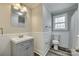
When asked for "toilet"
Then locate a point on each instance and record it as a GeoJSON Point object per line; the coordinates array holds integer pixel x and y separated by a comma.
{"type": "Point", "coordinates": [55, 42]}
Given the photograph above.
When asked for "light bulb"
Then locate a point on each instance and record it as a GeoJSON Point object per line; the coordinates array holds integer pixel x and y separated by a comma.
{"type": "Point", "coordinates": [17, 6]}
{"type": "Point", "coordinates": [23, 9]}
{"type": "Point", "coordinates": [20, 13]}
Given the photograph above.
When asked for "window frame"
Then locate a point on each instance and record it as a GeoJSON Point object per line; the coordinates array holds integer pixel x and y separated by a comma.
{"type": "Point", "coordinates": [66, 22]}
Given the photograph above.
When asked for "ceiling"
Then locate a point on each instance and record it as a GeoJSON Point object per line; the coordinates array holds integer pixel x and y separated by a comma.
{"type": "Point", "coordinates": [60, 7]}
{"type": "Point", "coordinates": [31, 5]}
{"type": "Point", "coordinates": [54, 8]}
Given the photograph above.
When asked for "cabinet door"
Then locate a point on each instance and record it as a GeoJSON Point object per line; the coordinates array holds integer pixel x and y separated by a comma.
{"type": "Point", "coordinates": [29, 51]}
{"type": "Point", "coordinates": [20, 51]}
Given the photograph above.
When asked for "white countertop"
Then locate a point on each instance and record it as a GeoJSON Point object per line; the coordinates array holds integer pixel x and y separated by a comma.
{"type": "Point", "coordinates": [18, 40]}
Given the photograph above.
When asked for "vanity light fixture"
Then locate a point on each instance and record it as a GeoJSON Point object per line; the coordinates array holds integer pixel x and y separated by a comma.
{"type": "Point", "coordinates": [16, 6]}
{"type": "Point", "coordinates": [23, 9]}
{"type": "Point", "coordinates": [19, 7]}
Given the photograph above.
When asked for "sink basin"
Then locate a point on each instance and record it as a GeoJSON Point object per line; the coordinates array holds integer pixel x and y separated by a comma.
{"type": "Point", "coordinates": [18, 39]}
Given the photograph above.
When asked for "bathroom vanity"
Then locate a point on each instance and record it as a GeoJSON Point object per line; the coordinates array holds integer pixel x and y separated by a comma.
{"type": "Point", "coordinates": [22, 46]}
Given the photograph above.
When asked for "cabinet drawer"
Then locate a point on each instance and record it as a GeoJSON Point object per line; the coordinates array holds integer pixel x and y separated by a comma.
{"type": "Point", "coordinates": [26, 43]}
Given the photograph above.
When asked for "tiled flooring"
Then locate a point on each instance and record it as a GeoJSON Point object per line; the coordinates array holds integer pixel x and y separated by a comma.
{"type": "Point", "coordinates": [51, 54]}
{"type": "Point", "coordinates": [48, 54]}
{"type": "Point", "coordinates": [56, 53]}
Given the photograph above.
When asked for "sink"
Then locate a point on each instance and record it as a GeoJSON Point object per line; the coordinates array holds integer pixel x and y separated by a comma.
{"type": "Point", "coordinates": [22, 45]}
{"type": "Point", "coordinates": [19, 39]}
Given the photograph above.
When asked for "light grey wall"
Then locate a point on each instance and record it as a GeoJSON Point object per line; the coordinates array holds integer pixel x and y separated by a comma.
{"type": "Point", "coordinates": [74, 30]}
{"type": "Point", "coordinates": [64, 38]}
{"type": "Point", "coordinates": [46, 19]}
{"type": "Point", "coordinates": [78, 19]}
{"type": "Point", "coordinates": [65, 35]}
{"type": "Point", "coordinates": [47, 26]}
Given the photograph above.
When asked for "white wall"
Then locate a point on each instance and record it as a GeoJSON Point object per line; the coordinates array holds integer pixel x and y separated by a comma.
{"type": "Point", "coordinates": [5, 49]}
{"type": "Point", "coordinates": [37, 19]}
{"type": "Point", "coordinates": [41, 18]}
{"type": "Point", "coordinates": [5, 23]}
{"type": "Point", "coordinates": [5, 20]}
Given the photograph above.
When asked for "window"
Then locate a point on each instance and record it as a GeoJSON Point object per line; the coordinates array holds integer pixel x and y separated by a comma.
{"type": "Point", "coordinates": [60, 19]}
{"type": "Point", "coordinates": [60, 22]}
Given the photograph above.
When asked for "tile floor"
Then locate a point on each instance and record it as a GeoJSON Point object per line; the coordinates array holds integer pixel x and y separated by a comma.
{"type": "Point", "coordinates": [51, 54]}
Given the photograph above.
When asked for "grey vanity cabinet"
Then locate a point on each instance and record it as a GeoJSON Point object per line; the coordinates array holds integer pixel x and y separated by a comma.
{"type": "Point", "coordinates": [23, 48]}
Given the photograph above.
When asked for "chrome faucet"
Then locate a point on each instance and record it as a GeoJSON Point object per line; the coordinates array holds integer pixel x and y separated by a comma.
{"type": "Point", "coordinates": [1, 30]}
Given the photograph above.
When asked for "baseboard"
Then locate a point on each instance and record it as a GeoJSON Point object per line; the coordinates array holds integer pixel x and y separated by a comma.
{"type": "Point", "coordinates": [37, 52]}
{"type": "Point", "coordinates": [40, 52]}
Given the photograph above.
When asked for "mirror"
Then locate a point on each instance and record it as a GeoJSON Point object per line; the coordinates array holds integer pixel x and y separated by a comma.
{"type": "Point", "coordinates": [17, 17]}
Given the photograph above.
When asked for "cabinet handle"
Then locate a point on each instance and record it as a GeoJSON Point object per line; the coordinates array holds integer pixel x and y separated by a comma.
{"type": "Point", "coordinates": [22, 45]}
{"type": "Point", "coordinates": [27, 48]}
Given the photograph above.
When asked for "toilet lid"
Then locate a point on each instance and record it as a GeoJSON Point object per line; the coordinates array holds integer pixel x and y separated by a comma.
{"type": "Point", "coordinates": [55, 41]}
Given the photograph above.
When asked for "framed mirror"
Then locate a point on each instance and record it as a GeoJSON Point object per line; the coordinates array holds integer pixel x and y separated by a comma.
{"type": "Point", "coordinates": [17, 17]}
